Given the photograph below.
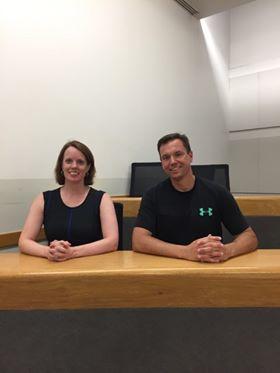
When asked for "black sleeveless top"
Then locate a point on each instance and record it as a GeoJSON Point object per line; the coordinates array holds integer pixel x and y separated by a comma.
{"type": "Point", "coordinates": [78, 225]}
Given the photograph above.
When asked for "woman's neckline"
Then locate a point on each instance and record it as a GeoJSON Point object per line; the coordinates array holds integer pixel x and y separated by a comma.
{"type": "Point", "coordinates": [77, 205]}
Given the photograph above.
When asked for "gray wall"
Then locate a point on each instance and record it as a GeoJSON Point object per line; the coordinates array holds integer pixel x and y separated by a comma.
{"type": "Point", "coordinates": [254, 164]}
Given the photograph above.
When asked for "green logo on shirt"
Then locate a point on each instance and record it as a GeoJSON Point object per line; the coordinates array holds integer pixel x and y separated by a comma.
{"type": "Point", "coordinates": [203, 212]}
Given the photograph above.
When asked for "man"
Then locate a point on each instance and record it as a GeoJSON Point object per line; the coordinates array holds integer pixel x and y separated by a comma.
{"type": "Point", "coordinates": [182, 216]}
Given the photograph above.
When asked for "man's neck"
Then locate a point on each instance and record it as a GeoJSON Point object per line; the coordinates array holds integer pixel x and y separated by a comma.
{"type": "Point", "coordinates": [185, 184]}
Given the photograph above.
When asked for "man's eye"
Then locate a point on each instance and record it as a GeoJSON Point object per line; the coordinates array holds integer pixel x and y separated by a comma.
{"type": "Point", "coordinates": [165, 157]}
{"type": "Point", "coordinates": [179, 154]}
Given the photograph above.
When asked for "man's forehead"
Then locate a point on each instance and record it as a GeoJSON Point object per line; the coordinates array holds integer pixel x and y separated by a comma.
{"type": "Point", "coordinates": [172, 145]}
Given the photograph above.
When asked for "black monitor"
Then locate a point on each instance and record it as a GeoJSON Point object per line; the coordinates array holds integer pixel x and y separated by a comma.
{"type": "Point", "coordinates": [145, 175]}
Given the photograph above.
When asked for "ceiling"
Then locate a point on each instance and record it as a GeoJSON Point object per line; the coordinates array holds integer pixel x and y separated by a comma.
{"type": "Point", "coordinates": [206, 8]}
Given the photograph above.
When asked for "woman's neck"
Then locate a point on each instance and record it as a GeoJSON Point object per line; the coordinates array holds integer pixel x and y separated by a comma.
{"type": "Point", "coordinates": [74, 195]}
{"type": "Point", "coordinates": [77, 189]}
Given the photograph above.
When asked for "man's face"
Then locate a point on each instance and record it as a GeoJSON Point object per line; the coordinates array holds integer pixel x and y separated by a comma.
{"type": "Point", "coordinates": [175, 159]}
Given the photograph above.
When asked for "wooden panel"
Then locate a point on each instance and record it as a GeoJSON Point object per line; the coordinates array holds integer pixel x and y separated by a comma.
{"type": "Point", "coordinates": [128, 279]}
{"type": "Point", "coordinates": [130, 205]}
{"type": "Point", "coordinates": [259, 205]}
{"type": "Point", "coordinates": [11, 238]}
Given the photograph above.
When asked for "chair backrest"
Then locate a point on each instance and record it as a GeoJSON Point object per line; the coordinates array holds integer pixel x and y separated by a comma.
{"type": "Point", "coordinates": [219, 173]}
{"type": "Point", "coordinates": [119, 214]}
{"type": "Point", "coordinates": [145, 175]}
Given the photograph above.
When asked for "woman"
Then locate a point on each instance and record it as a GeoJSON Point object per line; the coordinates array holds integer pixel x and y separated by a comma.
{"type": "Point", "coordinates": [78, 220]}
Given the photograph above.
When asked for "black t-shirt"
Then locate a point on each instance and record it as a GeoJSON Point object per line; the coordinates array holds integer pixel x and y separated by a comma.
{"type": "Point", "coordinates": [182, 217]}
{"type": "Point", "coordinates": [78, 225]}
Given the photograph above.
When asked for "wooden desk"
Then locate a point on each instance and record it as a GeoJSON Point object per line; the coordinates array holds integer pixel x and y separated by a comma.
{"type": "Point", "coordinates": [125, 279]}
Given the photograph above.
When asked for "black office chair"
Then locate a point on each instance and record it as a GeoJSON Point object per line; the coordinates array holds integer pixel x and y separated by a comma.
{"type": "Point", "coordinates": [119, 213]}
{"type": "Point", "coordinates": [218, 173]}
{"type": "Point", "coordinates": [145, 175]}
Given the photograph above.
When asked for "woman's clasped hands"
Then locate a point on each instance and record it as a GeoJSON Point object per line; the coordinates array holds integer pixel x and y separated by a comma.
{"type": "Point", "coordinates": [59, 251]}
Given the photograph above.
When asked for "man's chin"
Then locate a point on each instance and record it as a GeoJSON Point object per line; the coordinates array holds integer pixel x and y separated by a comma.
{"type": "Point", "coordinates": [176, 177]}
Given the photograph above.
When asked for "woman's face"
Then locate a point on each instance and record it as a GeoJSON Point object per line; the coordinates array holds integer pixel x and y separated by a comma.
{"type": "Point", "coordinates": [74, 165]}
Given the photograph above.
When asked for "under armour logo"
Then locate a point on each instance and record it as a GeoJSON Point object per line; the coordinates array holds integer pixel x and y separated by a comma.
{"type": "Point", "coordinates": [203, 212]}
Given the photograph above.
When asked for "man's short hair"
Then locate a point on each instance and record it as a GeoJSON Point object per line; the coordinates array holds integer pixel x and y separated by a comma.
{"type": "Point", "coordinates": [174, 136]}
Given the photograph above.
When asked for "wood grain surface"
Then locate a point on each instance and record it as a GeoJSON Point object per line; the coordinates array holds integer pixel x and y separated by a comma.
{"type": "Point", "coordinates": [125, 279]}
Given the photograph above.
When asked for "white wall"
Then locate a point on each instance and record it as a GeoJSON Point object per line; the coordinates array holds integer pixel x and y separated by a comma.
{"type": "Point", "coordinates": [216, 30]}
{"type": "Point", "coordinates": [116, 74]}
{"type": "Point", "coordinates": [254, 33]}
{"type": "Point", "coordinates": [254, 92]}
{"type": "Point", "coordinates": [255, 65]}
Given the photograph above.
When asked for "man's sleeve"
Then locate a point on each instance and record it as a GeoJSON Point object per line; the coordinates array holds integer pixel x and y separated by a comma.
{"type": "Point", "coordinates": [232, 217]}
{"type": "Point", "coordinates": [147, 213]}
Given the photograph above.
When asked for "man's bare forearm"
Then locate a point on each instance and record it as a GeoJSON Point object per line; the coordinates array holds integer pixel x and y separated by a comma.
{"type": "Point", "coordinates": [242, 244]}
{"type": "Point", "coordinates": [144, 242]}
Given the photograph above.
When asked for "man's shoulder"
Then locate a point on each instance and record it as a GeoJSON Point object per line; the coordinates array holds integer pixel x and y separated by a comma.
{"type": "Point", "coordinates": [205, 187]}
{"type": "Point", "coordinates": [210, 185]}
{"type": "Point", "coordinates": [158, 188]}
{"type": "Point", "coordinates": [157, 192]}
